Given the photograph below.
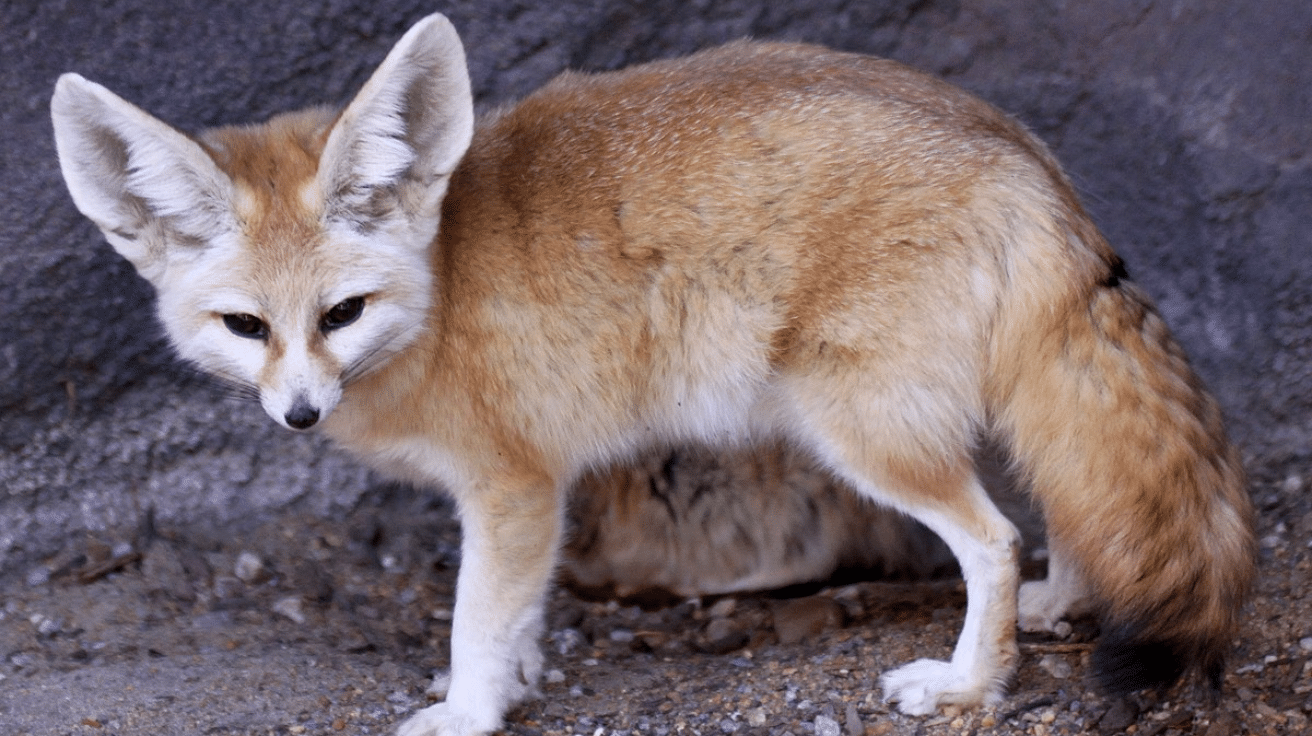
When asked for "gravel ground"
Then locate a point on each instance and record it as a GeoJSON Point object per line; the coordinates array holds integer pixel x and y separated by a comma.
{"type": "Point", "coordinates": [320, 627]}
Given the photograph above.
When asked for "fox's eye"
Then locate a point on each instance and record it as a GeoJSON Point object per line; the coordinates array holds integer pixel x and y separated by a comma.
{"type": "Point", "coordinates": [245, 325]}
{"type": "Point", "coordinates": [343, 314]}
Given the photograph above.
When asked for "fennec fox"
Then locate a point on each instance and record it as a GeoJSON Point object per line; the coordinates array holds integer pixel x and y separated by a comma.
{"type": "Point", "coordinates": [761, 240]}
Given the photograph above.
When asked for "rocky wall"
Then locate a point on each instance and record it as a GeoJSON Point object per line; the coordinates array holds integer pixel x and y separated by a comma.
{"type": "Point", "coordinates": [1186, 126]}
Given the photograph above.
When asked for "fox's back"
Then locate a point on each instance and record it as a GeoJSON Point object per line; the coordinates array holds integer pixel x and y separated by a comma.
{"type": "Point", "coordinates": [691, 230]}
{"type": "Point", "coordinates": [771, 146]}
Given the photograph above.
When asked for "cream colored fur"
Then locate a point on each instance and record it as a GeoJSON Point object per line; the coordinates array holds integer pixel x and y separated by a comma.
{"type": "Point", "coordinates": [690, 521]}
{"type": "Point", "coordinates": [758, 241]}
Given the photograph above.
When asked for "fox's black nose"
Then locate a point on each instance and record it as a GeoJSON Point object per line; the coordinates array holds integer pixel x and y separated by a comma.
{"type": "Point", "coordinates": [301, 415]}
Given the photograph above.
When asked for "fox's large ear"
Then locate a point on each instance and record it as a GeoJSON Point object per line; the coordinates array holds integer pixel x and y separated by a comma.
{"type": "Point", "coordinates": [394, 148]}
{"type": "Point", "coordinates": [149, 188]}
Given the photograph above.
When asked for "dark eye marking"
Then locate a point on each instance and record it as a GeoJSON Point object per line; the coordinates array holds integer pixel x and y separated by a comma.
{"type": "Point", "coordinates": [342, 314]}
{"type": "Point", "coordinates": [245, 325]}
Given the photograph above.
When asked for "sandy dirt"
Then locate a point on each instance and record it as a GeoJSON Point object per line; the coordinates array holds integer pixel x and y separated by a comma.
{"type": "Point", "coordinates": [303, 626]}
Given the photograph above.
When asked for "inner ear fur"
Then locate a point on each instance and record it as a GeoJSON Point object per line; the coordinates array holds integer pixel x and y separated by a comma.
{"type": "Point", "coordinates": [402, 136]}
{"type": "Point", "coordinates": [148, 187]}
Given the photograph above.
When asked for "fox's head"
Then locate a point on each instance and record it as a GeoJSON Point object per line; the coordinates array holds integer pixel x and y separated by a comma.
{"type": "Point", "coordinates": [293, 256]}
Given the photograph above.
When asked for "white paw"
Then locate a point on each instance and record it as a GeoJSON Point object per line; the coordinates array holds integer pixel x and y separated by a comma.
{"type": "Point", "coordinates": [1035, 608]}
{"type": "Point", "coordinates": [920, 687]}
{"type": "Point", "coordinates": [530, 671]}
{"type": "Point", "coordinates": [439, 720]}
{"type": "Point", "coordinates": [1041, 605]}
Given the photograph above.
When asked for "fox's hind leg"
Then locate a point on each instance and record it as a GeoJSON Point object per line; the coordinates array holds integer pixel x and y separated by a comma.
{"type": "Point", "coordinates": [949, 499]}
{"type": "Point", "coordinates": [987, 547]}
{"type": "Point", "coordinates": [899, 422]}
{"type": "Point", "coordinates": [1063, 594]}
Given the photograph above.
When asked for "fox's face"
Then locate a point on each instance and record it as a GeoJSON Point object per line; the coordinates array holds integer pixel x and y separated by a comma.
{"type": "Point", "coordinates": [294, 304]}
{"type": "Point", "coordinates": [292, 257]}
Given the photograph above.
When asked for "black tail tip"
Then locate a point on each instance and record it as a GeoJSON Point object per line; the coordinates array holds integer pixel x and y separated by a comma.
{"type": "Point", "coordinates": [1127, 661]}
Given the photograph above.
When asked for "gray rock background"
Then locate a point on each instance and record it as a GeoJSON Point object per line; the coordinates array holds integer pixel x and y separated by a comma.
{"type": "Point", "coordinates": [1186, 123]}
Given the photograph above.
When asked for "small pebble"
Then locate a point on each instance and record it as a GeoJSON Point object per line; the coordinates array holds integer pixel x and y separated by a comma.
{"type": "Point", "coordinates": [804, 618]}
{"type": "Point", "coordinates": [1305, 643]}
{"type": "Point", "coordinates": [723, 607]}
{"type": "Point", "coordinates": [249, 568]}
{"type": "Point", "coordinates": [852, 722]}
{"type": "Point", "coordinates": [38, 576]}
{"type": "Point", "coordinates": [1122, 713]}
{"type": "Point", "coordinates": [719, 628]}
{"type": "Point", "coordinates": [724, 635]}
{"type": "Point", "coordinates": [1056, 665]}
{"type": "Point", "coordinates": [555, 676]}
{"type": "Point", "coordinates": [45, 626]}
{"type": "Point", "coordinates": [567, 640]}
{"type": "Point", "coordinates": [292, 607]}
{"type": "Point", "coordinates": [826, 726]}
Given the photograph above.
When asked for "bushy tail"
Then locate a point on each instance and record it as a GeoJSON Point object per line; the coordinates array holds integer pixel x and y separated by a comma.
{"type": "Point", "coordinates": [1127, 453]}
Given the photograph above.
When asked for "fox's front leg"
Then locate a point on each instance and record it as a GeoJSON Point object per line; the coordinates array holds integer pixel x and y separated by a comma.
{"type": "Point", "coordinates": [510, 536]}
